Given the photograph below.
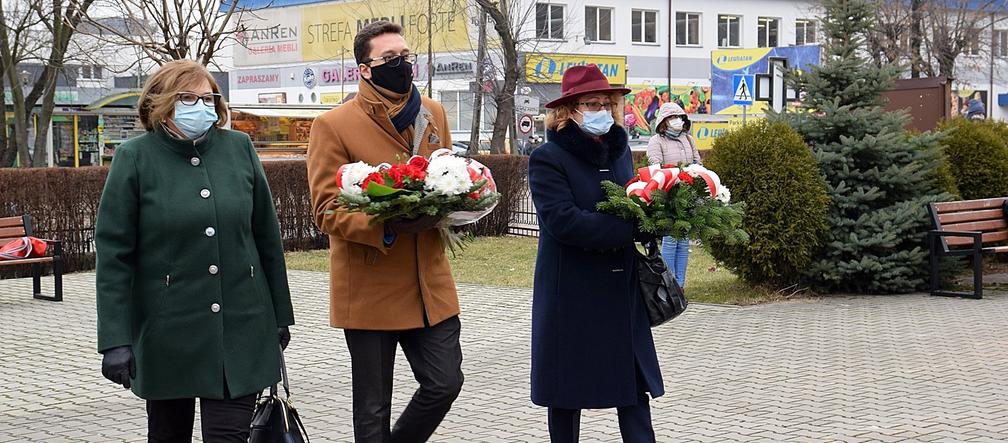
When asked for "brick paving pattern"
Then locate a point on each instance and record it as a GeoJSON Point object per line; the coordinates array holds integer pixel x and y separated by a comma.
{"type": "Point", "coordinates": [906, 368]}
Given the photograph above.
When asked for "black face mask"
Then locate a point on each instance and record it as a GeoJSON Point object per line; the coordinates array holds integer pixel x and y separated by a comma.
{"type": "Point", "coordinates": [397, 79]}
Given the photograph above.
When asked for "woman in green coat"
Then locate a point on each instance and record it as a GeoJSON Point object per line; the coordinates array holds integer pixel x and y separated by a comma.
{"type": "Point", "coordinates": [192, 288]}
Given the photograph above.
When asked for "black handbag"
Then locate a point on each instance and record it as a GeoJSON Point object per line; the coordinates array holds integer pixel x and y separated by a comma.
{"type": "Point", "coordinates": [662, 296]}
{"type": "Point", "coordinates": [275, 420]}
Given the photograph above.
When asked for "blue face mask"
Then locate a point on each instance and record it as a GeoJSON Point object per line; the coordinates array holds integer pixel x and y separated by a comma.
{"type": "Point", "coordinates": [597, 122]}
{"type": "Point", "coordinates": [194, 120]}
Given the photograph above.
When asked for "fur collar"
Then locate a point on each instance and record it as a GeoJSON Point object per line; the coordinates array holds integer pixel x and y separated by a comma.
{"type": "Point", "coordinates": [599, 151]}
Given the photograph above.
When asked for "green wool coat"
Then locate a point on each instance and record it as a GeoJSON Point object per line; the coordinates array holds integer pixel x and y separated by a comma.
{"type": "Point", "coordinates": [190, 266]}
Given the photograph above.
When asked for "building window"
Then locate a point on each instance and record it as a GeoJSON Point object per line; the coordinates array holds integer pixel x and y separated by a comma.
{"type": "Point", "coordinates": [768, 32]}
{"type": "Point", "coordinates": [999, 45]}
{"type": "Point", "coordinates": [91, 72]}
{"type": "Point", "coordinates": [687, 32]}
{"type": "Point", "coordinates": [644, 26]}
{"type": "Point", "coordinates": [729, 29]}
{"type": "Point", "coordinates": [598, 24]}
{"type": "Point", "coordinates": [549, 21]}
{"type": "Point", "coordinates": [458, 107]}
{"type": "Point", "coordinates": [805, 32]}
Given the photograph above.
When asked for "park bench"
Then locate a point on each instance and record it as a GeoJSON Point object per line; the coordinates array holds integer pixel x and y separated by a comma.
{"type": "Point", "coordinates": [12, 228]}
{"type": "Point", "coordinates": [966, 228]}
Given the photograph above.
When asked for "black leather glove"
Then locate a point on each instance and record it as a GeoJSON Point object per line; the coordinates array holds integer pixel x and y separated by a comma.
{"type": "Point", "coordinates": [412, 225]}
{"type": "Point", "coordinates": [118, 365]}
{"type": "Point", "coordinates": [284, 333]}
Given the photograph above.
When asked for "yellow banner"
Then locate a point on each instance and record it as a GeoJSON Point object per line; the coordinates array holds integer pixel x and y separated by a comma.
{"type": "Point", "coordinates": [735, 59]}
{"type": "Point", "coordinates": [328, 29]}
{"type": "Point", "coordinates": [549, 68]}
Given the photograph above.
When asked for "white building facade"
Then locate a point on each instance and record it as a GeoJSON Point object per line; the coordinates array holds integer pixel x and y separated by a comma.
{"type": "Point", "coordinates": [300, 51]}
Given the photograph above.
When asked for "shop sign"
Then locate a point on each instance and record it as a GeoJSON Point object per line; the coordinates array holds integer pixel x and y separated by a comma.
{"type": "Point", "coordinates": [309, 78]}
{"type": "Point", "coordinates": [332, 98]}
{"type": "Point", "coordinates": [453, 68]}
{"type": "Point", "coordinates": [61, 96]}
{"type": "Point", "coordinates": [257, 79]}
{"type": "Point", "coordinates": [269, 38]}
{"type": "Point", "coordinates": [550, 68]}
{"type": "Point", "coordinates": [329, 28]}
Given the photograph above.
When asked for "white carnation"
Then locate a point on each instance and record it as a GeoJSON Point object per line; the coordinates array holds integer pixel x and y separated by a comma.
{"type": "Point", "coordinates": [353, 175]}
{"type": "Point", "coordinates": [723, 194]}
{"type": "Point", "coordinates": [448, 175]}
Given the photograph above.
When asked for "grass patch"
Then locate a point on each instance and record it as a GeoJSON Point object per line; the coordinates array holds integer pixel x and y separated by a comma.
{"type": "Point", "coordinates": [510, 261]}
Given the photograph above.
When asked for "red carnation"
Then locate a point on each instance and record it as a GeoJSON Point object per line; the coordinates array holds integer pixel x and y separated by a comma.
{"type": "Point", "coordinates": [375, 177]}
{"type": "Point", "coordinates": [396, 173]}
{"type": "Point", "coordinates": [685, 177]}
{"type": "Point", "coordinates": [418, 162]}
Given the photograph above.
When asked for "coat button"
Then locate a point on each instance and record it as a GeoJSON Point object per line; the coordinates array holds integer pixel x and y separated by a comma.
{"type": "Point", "coordinates": [195, 161]}
{"type": "Point", "coordinates": [213, 269]}
{"type": "Point", "coordinates": [215, 308]}
{"type": "Point", "coordinates": [210, 231]}
{"type": "Point", "coordinates": [205, 193]}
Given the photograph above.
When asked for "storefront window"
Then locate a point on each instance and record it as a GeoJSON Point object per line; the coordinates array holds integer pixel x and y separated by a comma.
{"type": "Point", "coordinates": [276, 131]}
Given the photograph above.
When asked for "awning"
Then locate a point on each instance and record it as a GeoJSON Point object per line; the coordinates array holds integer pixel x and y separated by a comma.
{"type": "Point", "coordinates": [284, 112]}
{"type": "Point", "coordinates": [124, 99]}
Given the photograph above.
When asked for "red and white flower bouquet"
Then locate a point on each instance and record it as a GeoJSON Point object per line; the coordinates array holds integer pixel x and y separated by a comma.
{"type": "Point", "coordinates": [457, 189]}
{"type": "Point", "coordinates": [678, 201]}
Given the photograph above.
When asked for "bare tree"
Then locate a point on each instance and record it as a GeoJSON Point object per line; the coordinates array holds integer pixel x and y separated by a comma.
{"type": "Point", "coordinates": [57, 21]}
{"type": "Point", "coordinates": [930, 35]}
{"type": "Point", "coordinates": [173, 30]}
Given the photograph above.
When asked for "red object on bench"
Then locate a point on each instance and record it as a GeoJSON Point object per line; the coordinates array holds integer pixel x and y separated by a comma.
{"type": "Point", "coordinates": [24, 247]}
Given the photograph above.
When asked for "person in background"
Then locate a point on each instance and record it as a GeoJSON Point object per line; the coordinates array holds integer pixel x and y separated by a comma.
{"type": "Point", "coordinates": [591, 340]}
{"type": "Point", "coordinates": [192, 291]}
{"type": "Point", "coordinates": [672, 144]}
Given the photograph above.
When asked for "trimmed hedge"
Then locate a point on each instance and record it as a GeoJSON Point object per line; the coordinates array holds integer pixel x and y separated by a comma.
{"type": "Point", "coordinates": [64, 203]}
{"type": "Point", "coordinates": [769, 167]}
{"type": "Point", "coordinates": [978, 154]}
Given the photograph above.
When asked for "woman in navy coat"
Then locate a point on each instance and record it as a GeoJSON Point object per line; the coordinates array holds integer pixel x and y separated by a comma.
{"type": "Point", "coordinates": [591, 342]}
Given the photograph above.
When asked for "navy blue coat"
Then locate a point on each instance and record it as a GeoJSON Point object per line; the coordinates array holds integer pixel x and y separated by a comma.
{"type": "Point", "coordinates": [589, 329]}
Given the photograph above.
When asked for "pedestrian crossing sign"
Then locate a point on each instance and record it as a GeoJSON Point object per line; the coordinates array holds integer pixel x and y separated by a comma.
{"type": "Point", "coordinates": [742, 85]}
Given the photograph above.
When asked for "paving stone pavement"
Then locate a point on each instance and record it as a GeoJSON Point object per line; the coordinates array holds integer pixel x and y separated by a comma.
{"type": "Point", "coordinates": [904, 368]}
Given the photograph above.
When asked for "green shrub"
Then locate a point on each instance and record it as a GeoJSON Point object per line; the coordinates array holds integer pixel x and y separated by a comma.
{"type": "Point", "coordinates": [978, 154]}
{"type": "Point", "coordinates": [767, 166]}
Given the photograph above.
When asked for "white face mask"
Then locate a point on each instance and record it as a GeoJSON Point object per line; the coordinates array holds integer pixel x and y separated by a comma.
{"type": "Point", "coordinates": [676, 124]}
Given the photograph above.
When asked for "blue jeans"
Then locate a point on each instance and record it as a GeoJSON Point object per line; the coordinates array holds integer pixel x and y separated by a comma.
{"type": "Point", "coordinates": [676, 254]}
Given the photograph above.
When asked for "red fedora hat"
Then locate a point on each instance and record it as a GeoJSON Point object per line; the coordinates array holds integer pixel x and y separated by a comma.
{"type": "Point", "coordinates": [583, 79]}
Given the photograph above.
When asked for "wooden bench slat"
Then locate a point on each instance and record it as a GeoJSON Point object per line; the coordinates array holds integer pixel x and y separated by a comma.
{"type": "Point", "coordinates": [989, 237]}
{"type": "Point", "coordinates": [996, 249]}
{"type": "Point", "coordinates": [25, 261]}
{"type": "Point", "coordinates": [982, 226]}
{"type": "Point", "coordinates": [967, 205]}
{"type": "Point", "coordinates": [14, 232]}
{"type": "Point", "coordinates": [7, 222]}
{"type": "Point", "coordinates": [968, 216]}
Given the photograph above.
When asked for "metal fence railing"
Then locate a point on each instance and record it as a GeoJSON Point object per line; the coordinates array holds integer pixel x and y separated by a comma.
{"type": "Point", "coordinates": [524, 221]}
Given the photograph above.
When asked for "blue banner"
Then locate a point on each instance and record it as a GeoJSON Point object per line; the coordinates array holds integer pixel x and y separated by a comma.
{"type": "Point", "coordinates": [727, 63]}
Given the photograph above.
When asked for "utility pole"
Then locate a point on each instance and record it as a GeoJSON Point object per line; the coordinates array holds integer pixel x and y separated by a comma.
{"type": "Point", "coordinates": [990, 91]}
{"type": "Point", "coordinates": [474, 135]}
{"type": "Point", "coordinates": [430, 49]}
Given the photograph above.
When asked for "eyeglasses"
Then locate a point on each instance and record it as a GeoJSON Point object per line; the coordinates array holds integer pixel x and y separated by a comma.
{"type": "Point", "coordinates": [595, 106]}
{"type": "Point", "coordinates": [392, 60]}
{"type": "Point", "coordinates": [190, 98]}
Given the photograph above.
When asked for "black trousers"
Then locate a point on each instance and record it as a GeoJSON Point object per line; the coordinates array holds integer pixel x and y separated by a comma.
{"type": "Point", "coordinates": [171, 421]}
{"type": "Point", "coordinates": [434, 355]}
{"type": "Point", "coordinates": [634, 423]}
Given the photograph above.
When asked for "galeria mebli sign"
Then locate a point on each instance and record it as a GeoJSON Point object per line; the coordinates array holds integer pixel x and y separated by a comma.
{"type": "Point", "coordinates": [269, 37]}
{"type": "Point", "coordinates": [325, 31]}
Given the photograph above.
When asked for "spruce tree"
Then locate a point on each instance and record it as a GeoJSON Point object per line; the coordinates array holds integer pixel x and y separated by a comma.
{"type": "Point", "coordinates": [880, 178]}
